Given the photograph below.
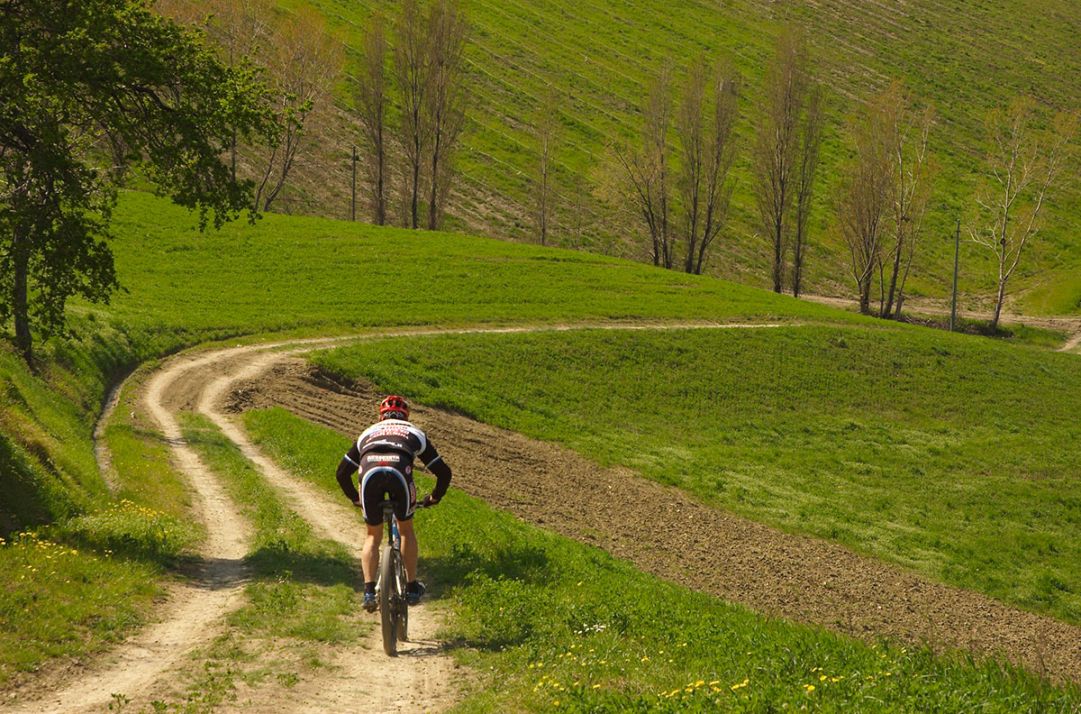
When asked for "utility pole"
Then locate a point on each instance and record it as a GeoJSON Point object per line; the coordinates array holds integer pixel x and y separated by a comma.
{"type": "Point", "coordinates": [956, 259]}
{"type": "Point", "coordinates": [353, 202]}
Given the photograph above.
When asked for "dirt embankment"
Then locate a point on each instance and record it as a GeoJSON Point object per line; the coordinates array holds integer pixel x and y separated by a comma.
{"type": "Point", "coordinates": [792, 576]}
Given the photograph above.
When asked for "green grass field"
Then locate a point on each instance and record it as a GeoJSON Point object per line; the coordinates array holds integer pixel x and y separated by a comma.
{"type": "Point", "coordinates": [554, 625]}
{"type": "Point", "coordinates": [960, 58]}
{"type": "Point", "coordinates": [949, 455]}
{"type": "Point", "coordinates": [311, 276]}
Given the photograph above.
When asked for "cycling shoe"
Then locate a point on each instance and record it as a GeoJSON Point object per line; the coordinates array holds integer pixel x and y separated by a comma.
{"type": "Point", "coordinates": [413, 592]}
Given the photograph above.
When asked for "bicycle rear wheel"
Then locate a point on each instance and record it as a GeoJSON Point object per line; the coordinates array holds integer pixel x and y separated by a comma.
{"type": "Point", "coordinates": [388, 600]}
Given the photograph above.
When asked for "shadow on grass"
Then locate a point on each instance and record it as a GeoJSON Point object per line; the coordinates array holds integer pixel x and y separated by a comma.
{"type": "Point", "coordinates": [528, 564]}
{"type": "Point", "coordinates": [465, 566]}
{"type": "Point", "coordinates": [271, 562]}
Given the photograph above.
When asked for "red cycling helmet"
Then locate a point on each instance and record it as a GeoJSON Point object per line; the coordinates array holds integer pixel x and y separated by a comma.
{"type": "Point", "coordinates": [394, 407]}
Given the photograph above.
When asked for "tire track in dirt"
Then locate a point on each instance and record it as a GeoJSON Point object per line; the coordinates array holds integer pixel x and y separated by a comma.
{"type": "Point", "coordinates": [792, 576]}
{"type": "Point", "coordinates": [420, 678]}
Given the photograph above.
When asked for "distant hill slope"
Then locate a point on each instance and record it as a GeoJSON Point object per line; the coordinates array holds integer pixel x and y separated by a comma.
{"type": "Point", "coordinates": [962, 57]}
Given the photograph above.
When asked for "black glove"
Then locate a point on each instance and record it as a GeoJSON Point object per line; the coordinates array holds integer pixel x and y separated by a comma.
{"type": "Point", "coordinates": [428, 501]}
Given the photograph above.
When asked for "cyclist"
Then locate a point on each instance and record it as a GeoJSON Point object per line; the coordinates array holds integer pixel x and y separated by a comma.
{"type": "Point", "coordinates": [383, 454]}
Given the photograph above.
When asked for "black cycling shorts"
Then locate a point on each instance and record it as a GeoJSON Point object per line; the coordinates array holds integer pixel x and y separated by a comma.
{"type": "Point", "coordinates": [387, 476]}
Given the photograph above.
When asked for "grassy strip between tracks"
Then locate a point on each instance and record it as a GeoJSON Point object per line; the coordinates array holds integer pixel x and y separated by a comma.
{"type": "Point", "coordinates": [559, 625]}
{"type": "Point", "coordinates": [300, 592]}
{"type": "Point", "coordinates": [955, 456]}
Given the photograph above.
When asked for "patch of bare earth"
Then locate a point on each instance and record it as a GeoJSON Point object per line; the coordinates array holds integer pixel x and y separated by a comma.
{"type": "Point", "coordinates": [792, 576]}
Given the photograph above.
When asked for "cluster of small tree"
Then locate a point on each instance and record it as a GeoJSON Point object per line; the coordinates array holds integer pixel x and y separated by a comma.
{"type": "Point", "coordinates": [684, 203]}
{"type": "Point", "coordinates": [299, 59]}
{"type": "Point", "coordinates": [681, 196]}
{"type": "Point", "coordinates": [885, 195]}
{"type": "Point", "coordinates": [425, 91]}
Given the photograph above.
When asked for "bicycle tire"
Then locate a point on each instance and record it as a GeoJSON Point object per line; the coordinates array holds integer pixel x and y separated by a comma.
{"type": "Point", "coordinates": [388, 600]}
{"type": "Point", "coordinates": [403, 606]}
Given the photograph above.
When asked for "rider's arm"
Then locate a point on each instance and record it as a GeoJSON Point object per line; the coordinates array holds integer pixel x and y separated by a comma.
{"type": "Point", "coordinates": [434, 463]}
{"type": "Point", "coordinates": [349, 465]}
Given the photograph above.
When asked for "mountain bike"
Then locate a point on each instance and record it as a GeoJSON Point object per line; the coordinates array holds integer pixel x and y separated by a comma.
{"type": "Point", "coordinates": [390, 586]}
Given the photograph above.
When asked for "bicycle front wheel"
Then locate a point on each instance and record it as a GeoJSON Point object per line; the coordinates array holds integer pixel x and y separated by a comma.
{"type": "Point", "coordinates": [403, 606]}
{"type": "Point", "coordinates": [389, 596]}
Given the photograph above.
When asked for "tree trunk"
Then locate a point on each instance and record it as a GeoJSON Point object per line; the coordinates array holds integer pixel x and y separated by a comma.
{"type": "Point", "coordinates": [797, 265]}
{"type": "Point", "coordinates": [865, 296]}
{"type": "Point", "coordinates": [888, 311]}
{"type": "Point", "coordinates": [416, 187]}
{"type": "Point", "coordinates": [380, 190]}
{"type": "Point", "coordinates": [999, 299]}
{"type": "Point", "coordinates": [778, 258]}
{"type": "Point", "coordinates": [20, 245]}
{"type": "Point", "coordinates": [433, 200]}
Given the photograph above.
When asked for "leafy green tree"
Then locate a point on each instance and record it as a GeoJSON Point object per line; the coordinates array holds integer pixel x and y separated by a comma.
{"type": "Point", "coordinates": [89, 89]}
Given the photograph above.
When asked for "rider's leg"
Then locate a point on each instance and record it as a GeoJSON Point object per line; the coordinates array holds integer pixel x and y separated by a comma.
{"type": "Point", "coordinates": [409, 549]}
{"type": "Point", "coordinates": [369, 556]}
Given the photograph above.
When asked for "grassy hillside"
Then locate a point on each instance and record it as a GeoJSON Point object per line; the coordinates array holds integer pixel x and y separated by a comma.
{"type": "Point", "coordinates": [302, 276]}
{"type": "Point", "coordinates": [554, 625]}
{"type": "Point", "coordinates": [952, 456]}
{"type": "Point", "coordinates": [961, 58]}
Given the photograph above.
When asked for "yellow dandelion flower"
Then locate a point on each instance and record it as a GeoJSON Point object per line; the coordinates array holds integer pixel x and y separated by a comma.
{"type": "Point", "coordinates": [596, 686]}
{"type": "Point", "coordinates": [822, 677]}
{"type": "Point", "coordinates": [809, 688]}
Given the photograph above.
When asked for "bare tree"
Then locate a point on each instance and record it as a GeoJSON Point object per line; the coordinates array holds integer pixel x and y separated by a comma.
{"type": "Point", "coordinates": [777, 141]}
{"type": "Point", "coordinates": [912, 173]}
{"type": "Point", "coordinates": [707, 154]}
{"type": "Point", "coordinates": [866, 197]}
{"type": "Point", "coordinates": [810, 137]}
{"type": "Point", "coordinates": [241, 30]}
{"type": "Point", "coordinates": [306, 62]}
{"type": "Point", "coordinates": [546, 128]}
{"type": "Point", "coordinates": [411, 73]}
{"type": "Point", "coordinates": [444, 99]}
{"type": "Point", "coordinates": [372, 100]}
{"type": "Point", "coordinates": [690, 127]}
{"type": "Point", "coordinates": [1023, 165]}
{"type": "Point", "coordinates": [647, 170]}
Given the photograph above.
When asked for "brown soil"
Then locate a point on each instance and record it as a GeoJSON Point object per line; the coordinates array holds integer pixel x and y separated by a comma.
{"type": "Point", "coordinates": [778, 573]}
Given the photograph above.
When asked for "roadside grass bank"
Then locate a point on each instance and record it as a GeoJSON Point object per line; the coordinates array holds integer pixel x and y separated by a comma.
{"type": "Point", "coordinates": [559, 625]}
{"type": "Point", "coordinates": [301, 593]}
{"type": "Point", "coordinates": [82, 566]}
{"type": "Point", "coordinates": [952, 456]}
